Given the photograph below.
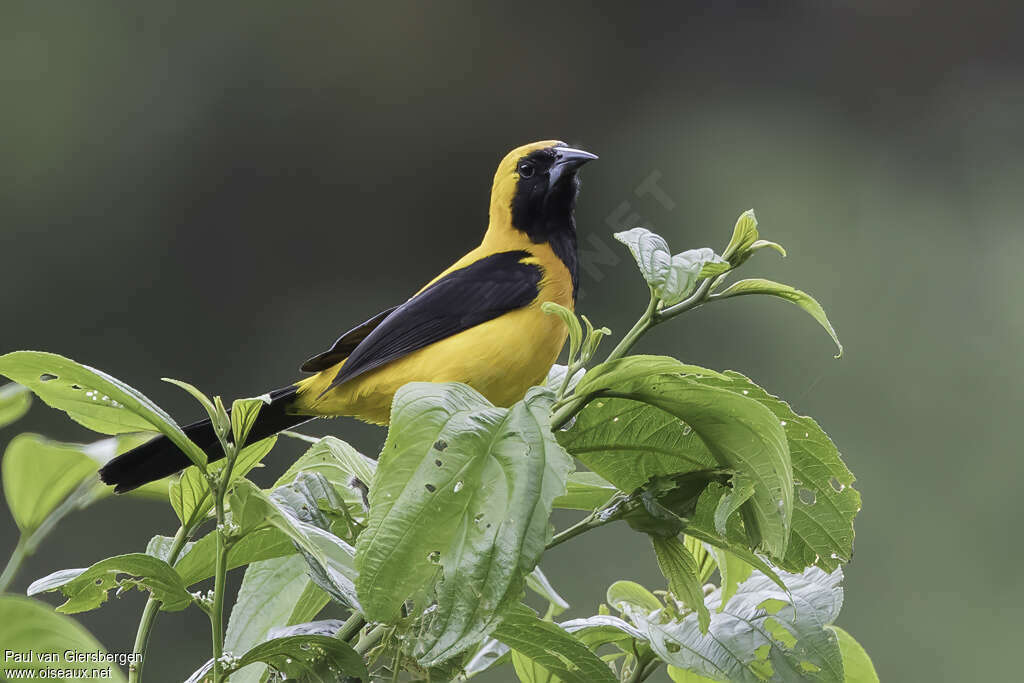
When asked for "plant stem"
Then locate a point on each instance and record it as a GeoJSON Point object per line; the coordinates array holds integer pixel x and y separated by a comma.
{"type": "Point", "coordinates": [370, 639]}
{"type": "Point", "coordinates": [151, 609]}
{"type": "Point", "coordinates": [645, 666]}
{"type": "Point", "coordinates": [351, 627]}
{"type": "Point", "coordinates": [13, 564]}
{"type": "Point", "coordinates": [220, 577]}
{"type": "Point", "coordinates": [591, 521]}
{"type": "Point", "coordinates": [642, 325]}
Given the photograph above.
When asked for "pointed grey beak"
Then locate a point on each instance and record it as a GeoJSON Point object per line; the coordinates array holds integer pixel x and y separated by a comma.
{"type": "Point", "coordinates": [567, 160]}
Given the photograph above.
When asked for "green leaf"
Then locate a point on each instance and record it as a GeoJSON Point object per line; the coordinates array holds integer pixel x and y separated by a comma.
{"type": "Point", "coordinates": [30, 625]}
{"type": "Point", "coordinates": [539, 584]}
{"type": "Point", "coordinates": [198, 561]}
{"type": "Point", "coordinates": [585, 491]}
{"type": "Point", "coordinates": [556, 377]}
{"type": "Point", "coordinates": [465, 489]}
{"type": "Point", "coordinates": [740, 433]}
{"type": "Point", "coordinates": [612, 375]}
{"type": "Point", "coordinates": [15, 400]}
{"type": "Point", "coordinates": [93, 398]}
{"type": "Point", "coordinates": [310, 658]}
{"type": "Point", "coordinates": [632, 594]}
{"type": "Point", "coordinates": [218, 416]}
{"type": "Point", "coordinates": [274, 593]}
{"type": "Point", "coordinates": [651, 252]}
{"type": "Point", "coordinates": [529, 671]}
{"type": "Point", "coordinates": [572, 323]}
{"type": "Point", "coordinates": [857, 665]}
{"type": "Point", "coordinates": [733, 570]}
{"type": "Point", "coordinates": [551, 648]}
{"type": "Point", "coordinates": [825, 501]}
{"type": "Point", "coordinates": [294, 509]}
{"type": "Point", "coordinates": [628, 443]}
{"type": "Point", "coordinates": [86, 589]}
{"type": "Point", "coordinates": [790, 294]}
{"type": "Point", "coordinates": [762, 633]}
{"type": "Point", "coordinates": [39, 475]}
{"type": "Point", "coordinates": [683, 676]}
{"type": "Point", "coordinates": [190, 495]}
{"type": "Point", "coordinates": [244, 412]}
{"type": "Point", "coordinates": [761, 244]}
{"type": "Point", "coordinates": [680, 569]}
{"type": "Point", "coordinates": [744, 235]}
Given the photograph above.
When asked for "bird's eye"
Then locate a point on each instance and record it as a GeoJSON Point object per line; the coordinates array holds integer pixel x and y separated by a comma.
{"type": "Point", "coordinates": [525, 169]}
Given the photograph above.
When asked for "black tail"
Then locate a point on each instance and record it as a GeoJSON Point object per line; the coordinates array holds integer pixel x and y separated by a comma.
{"type": "Point", "coordinates": [159, 457]}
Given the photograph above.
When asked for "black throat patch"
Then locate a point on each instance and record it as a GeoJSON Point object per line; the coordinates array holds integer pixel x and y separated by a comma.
{"type": "Point", "coordinates": [545, 213]}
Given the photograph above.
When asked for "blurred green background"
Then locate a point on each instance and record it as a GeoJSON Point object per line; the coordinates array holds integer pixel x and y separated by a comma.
{"type": "Point", "coordinates": [214, 191]}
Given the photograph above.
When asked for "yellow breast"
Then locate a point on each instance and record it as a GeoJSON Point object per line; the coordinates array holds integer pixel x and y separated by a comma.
{"type": "Point", "coordinates": [500, 358]}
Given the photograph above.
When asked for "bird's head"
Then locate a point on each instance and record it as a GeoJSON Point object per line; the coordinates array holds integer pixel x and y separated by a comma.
{"type": "Point", "coordinates": [535, 188]}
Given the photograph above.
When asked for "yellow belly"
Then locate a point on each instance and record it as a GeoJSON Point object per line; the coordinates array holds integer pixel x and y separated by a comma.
{"type": "Point", "coordinates": [500, 358]}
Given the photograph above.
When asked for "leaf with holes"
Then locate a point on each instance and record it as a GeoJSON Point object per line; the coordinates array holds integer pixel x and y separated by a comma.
{"type": "Point", "coordinates": [740, 433]}
{"type": "Point", "coordinates": [615, 374]}
{"type": "Point", "coordinates": [86, 589]}
{"type": "Point", "coordinates": [275, 594]}
{"type": "Point", "coordinates": [463, 490]}
{"type": "Point", "coordinates": [308, 658]}
{"type": "Point", "coordinates": [15, 400]}
{"type": "Point", "coordinates": [764, 632]}
{"type": "Point", "coordinates": [628, 443]}
{"type": "Point", "coordinates": [826, 502]}
{"type": "Point", "coordinates": [551, 648]}
{"type": "Point", "coordinates": [795, 296]}
{"type": "Point", "coordinates": [93, 398]}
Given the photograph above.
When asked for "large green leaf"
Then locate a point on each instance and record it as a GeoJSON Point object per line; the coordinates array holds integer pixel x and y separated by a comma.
{"type": "Point", "coordinates": [40, 475]}
{"type": "Point", "coordinates": [551, 648]}
{"type": "Point", "coordinates": [740, 433]}
{"type": "Point", "coordinates": [274, 593]}
{"type": "Point", "coordinates": [762, 633]}
{"type": "Point", "coordinates": [614, 374]}
{"type": "Point", "coordinates": [294, 509]}
{"type": "Point", "coordinates": [93, 398]}
{"type": "Point", "coordinates": [857, 665]}
{"type": "Point", "coordinates": [86, 589]}
{"type": "Point", "coordinates": [32, 626]}
{"type": "Point", "coordinates": [463, 489]}
{"type": "Point", "coordinates": [628, 443]}
{"type": "Point", "coordinates": [795, 296]}
{"type": "Point", "coordinates": [15, 400]}
{"type": "Point", "coordinates": [825, 501]}
{"type": "Point", "coordinates": [310, 658]}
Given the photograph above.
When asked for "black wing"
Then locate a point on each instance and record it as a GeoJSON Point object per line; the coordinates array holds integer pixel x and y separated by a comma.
{"type": "Point", "coordinates": [460, 300]}
{"type": "Point", "coordinates": [346, 344]}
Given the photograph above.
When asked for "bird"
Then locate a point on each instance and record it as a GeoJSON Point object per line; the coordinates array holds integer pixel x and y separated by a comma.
{"type": "Point", "coordinates": [479, 322]}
